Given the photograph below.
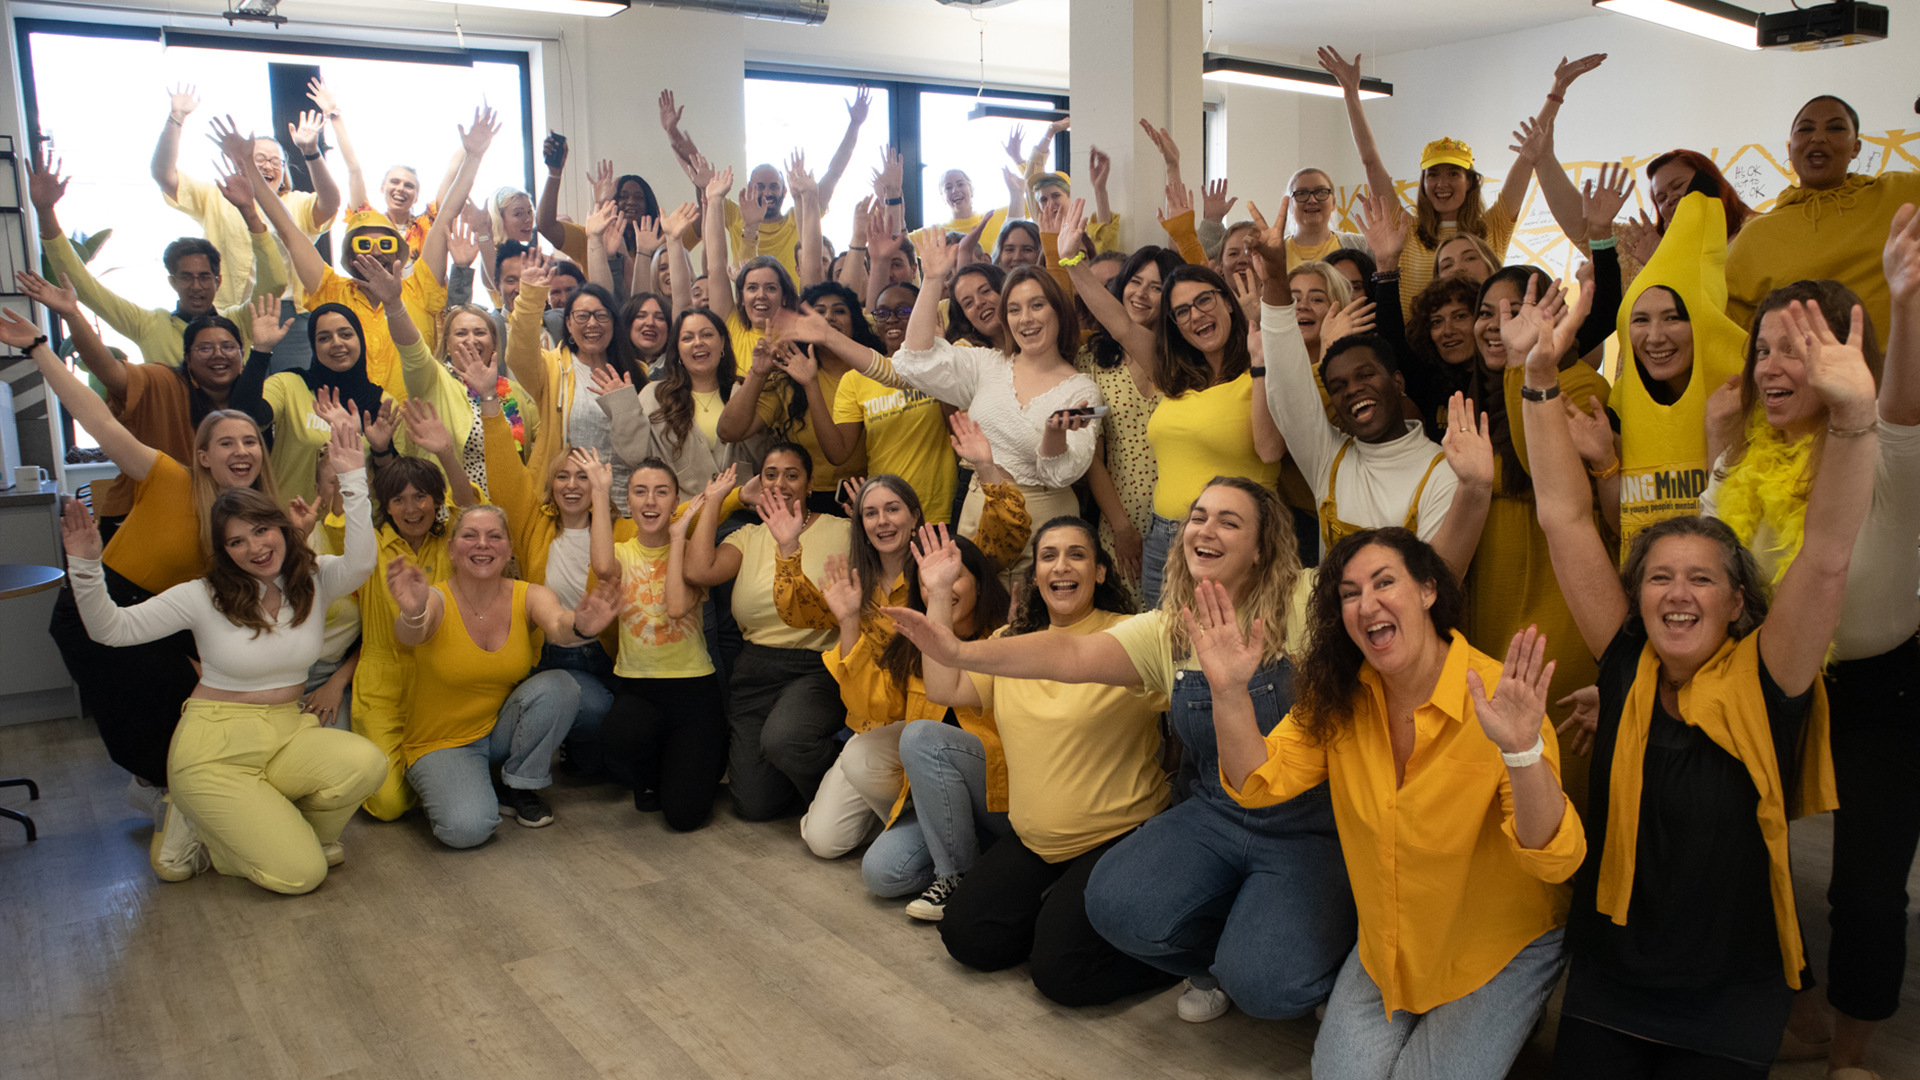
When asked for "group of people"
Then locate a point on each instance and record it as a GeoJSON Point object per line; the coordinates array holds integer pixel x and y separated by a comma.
{"type": "Point", "coordinates": [1382, 657]}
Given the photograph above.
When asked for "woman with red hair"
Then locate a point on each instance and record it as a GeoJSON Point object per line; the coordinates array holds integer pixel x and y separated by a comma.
{"type": "Point", "coordinates": [1671, 177]}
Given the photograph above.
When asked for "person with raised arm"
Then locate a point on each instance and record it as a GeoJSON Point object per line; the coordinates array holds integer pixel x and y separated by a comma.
{"type": "Point", "coordinates": [757, 225]}
{"type": "Point", "coordinates": [1311, 192]}
{"type": "Point", "coordinates": [1028, 402]}
{"type": "Point", "coordinates": [1449, 198]}
{"type": "Point", "coordinates": [676, 418]}
{"type": "Point", "coordinates": [1713, 726]}
{"type": "Point", "coordinates": [375, 236]}
{"type": "Point", "coordinates": [399, 188]}
{"type": "Point", "coordinates": [1767, 486]}
{"type": "Point", "coordinates": [256, 788]}
{"type": "Point", "coordinates": [193, 270]}
{"type": "Point", "coordinates": [1670, 178]}
{"type": "Point", "coordinates": [1393, 470]}
{"type": "Point", "coordinates": [134, 693]}
{"type": "Point", "coordinates": [225, 225]}
{"type": "Point", "coordinates": [1830, 225]}
{"type": "Point", "coordinates": [784, 707]}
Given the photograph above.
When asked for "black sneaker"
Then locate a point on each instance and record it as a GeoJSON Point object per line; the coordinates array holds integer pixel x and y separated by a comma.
{"type": "Point", "coordinates": [932, 904]}
{"type": "Point", "coordinates": [527, 806]}
{"type": "Point", "coordinates": [647, 802]}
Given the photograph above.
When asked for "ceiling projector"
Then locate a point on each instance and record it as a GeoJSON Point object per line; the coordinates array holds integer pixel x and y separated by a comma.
{"type": "Point", "coordinates": [1824, 27]}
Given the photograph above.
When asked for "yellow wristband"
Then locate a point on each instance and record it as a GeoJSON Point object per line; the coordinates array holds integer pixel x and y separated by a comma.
{"type": "Point", "coordinates": [1078, 258]}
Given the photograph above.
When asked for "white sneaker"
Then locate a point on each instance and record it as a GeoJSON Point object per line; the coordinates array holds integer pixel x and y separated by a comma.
{"type": "Point", "coordinates": [334, 852]}
{"type": "Point", "coordinates": [1198, 1006]}
{"type": "Point", "coordinates": [931, 906]}
{"type": "Point", "coordinates": [145, 798]}
{"type": "Point", "coordinates": [176, 851]}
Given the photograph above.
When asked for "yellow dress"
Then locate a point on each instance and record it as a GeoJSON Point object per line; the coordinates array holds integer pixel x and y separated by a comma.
{"type": "Point", "coordinates": [383, 684]}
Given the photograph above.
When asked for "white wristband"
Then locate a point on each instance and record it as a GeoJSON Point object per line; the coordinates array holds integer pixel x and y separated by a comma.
{"type": "Point", "coordinates": [1526, 757]}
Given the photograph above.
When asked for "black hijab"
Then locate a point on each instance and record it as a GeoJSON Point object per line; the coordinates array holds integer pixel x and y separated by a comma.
{"type": "Point", "coordinates": [352, 384]}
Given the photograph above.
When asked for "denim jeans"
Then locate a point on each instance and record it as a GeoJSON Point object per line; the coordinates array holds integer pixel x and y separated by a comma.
{"type": "Point", "coordinates": [948, 824]}
{"type": "Point", "coordinates": [1153, 559]}
{"type": "Point", "coordinates": [588, 664]}
{"type": "Point", "coordinates": [1469, 1038]}
{"type": "Point", "coordinates": [454, 783]}
{"type": "Point", "coordinates": [1258, 899]}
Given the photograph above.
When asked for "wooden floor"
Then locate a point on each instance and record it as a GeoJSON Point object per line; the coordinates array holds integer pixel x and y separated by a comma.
{"type": "Point", "coordinates": [602, 946]}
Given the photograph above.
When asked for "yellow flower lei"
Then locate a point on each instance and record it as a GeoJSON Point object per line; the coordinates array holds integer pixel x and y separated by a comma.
{"type": "Point", "coordinates": [1768, 485]}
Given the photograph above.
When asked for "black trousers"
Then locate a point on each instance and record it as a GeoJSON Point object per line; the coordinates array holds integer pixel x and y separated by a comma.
{"type": "Point", "coordinates": [134, 693]}
{"type": "Point", "coordinates": [784, 710]}
{"type": "Point", "coordinates": [672, 734]}
{"type": "Point", "coordinates": [1013, 906]}
{"type": "Point", "coordinates": [1875, 703]}
{"type": "Point", "coordinates": [1588, 1051]}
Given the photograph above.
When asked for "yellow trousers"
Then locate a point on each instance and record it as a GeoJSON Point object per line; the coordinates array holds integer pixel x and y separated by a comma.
{"type": "Point", "coordinates": [267, 786]}
{"type": "Point", "coordinates": [382, 697]}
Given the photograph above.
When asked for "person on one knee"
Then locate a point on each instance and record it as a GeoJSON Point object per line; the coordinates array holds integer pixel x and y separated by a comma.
{"type": "Point", "coordinates": [472, 639]}
{"type": "Point", "coordinates": [257, 788]}
{"type": "Point", "coordinates": [1083, 772]}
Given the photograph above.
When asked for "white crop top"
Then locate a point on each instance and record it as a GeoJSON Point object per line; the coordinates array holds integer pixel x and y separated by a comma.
{"type": "Point", "coordinates": [235, 657]}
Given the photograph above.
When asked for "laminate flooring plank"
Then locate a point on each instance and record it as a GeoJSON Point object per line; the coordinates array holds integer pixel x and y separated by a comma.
{"type": "Point", "coordinates": [586, 1005]}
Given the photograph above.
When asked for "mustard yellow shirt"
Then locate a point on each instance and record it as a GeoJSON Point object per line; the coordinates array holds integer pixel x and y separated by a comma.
{"type": "Point", "coordinates": [458, 687]}
{"type": "Point", "coordinates": [425, 298]}
{"type": "Point", "coordinates": [223, 225]}
{"type": "Point", "coordinates": [1445, 893]}
{"type": "Point", "coordinates": [906, 436]}
{"type": "Point", "coordinates": [1200, 435]}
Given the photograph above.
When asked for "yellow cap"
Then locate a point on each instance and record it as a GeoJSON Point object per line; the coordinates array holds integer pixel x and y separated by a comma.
{"type": "Point", "coordinates": [1446, 152]}
{"type": "Point", "coordinates": [372, 219]}
{"type": "Point", "coordinates": [1054, 179]}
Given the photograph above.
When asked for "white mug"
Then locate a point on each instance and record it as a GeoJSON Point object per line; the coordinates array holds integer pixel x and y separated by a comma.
{"type": "Point", "coordinates": [29, 476]}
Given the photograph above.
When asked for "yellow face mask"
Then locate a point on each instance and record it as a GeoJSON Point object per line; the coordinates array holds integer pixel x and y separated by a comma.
{"type": "Point", "coordinates": [366, 244]}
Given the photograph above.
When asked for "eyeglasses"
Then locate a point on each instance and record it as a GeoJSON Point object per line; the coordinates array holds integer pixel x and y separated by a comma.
{"type": "Point", "coordinates": [1204, 304]}
{"type": "Point", "coordinates": [223, 348]}
{"type": "Point", "coordinates": [892, 314]}
{"type": "Point", "coordinates": [384, 244]}
{"type": "Point", "coordinates": [196, 279]}
{"type": "Point", "coordinates": [591, 318]}
{"type": "Point", "coordinates": [1318, 194]}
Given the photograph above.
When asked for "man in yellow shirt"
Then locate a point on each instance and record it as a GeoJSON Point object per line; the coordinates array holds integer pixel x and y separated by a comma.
{"type": "Point", "coordinates": [193, 269]}
{"type": "Point", "coordinates": [776, 232]}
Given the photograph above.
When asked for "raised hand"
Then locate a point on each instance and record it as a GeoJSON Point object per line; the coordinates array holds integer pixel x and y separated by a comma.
{"type": "Point", "coordinates": [462, 245]}
{"type": "Point", "coordinates": [408, 585]}
{"type": "Point", "coordinates": [1725, 417]}
{"type": "Point", "coordinates": [536, 268]}
{"type": "Point", "coordinates": [1836, 369]}
{"type": "Point", "coordinates": [1227, 657]}
{"type": "Point", "coordinates": [343, 451]}
{"type": "Point", "coordinates": [598, 608]}
{"type": "Point", "coordinates": [1901, 257]}
{"type": "Point", "coordinates": [303, 515]}
{"type": "Point", "coordinates": [1179, 201]}
{"type": "Point", "coordinates": [79, 532]}
{"type": "Point", "coordinates": [937, 257]}
{"type": "Point", "coordinates": [17, 330]}
{"type": "Point", "coordinates": [45, 185]}
{"type": "Point", "coordinates": [379, 426]}
{"type": "Point", "coordinates": [698, 169]}
{"type": "Point", "coordinates": [1099, 167]}
{"type": "Point", "coordinates": [1270, 240]}
{"type": "Point", "coordinates": [938, 558]}
{"type": "Point", "coordinates": [969, 442]}
{"type": "Point", "coordinates": [183, 98]}
{"type": "Point", "coordinates": [268, 330]}
{"type": "Point", "coordinates": [599, 473]}
{"type": "Point", "coordinates": [1385, 224]}
{"type": "Point", "coordinates": [605, 380]}
{"type": "Point", "coordinates": [1592, 435]}
{"type": "Point", "coordinates": [785, 522]}
{"type": "Point", "coordinates": [1583, 721]}
{"type": "Point", "coordinates": [1566, 71]}
{"type": "Point", "coordinates": [237, 147]}
{"type": "Point", "coordinates": [1214, 204]}
{"type": "Point", "coordinates": [606, 218]}
{"type": "Point", "coordinates": [63, 301]}
{"type": "Point", "coordinates": [1520, 330]}
{"type": "Point", "coordinates": [1534, 140]}
{"type": "Point", "coordinates": [1248, 286]}
{"type": "Point", "coordinates": [670, 116]}
{"type": "Point", "coordinates": [857, 108]}
{"type": "Point", "coordinates": [1169, 150]}
{"type": "Point", "coordinates": [677, 528]}
{"type": "Point", "coordinates": [1469, 447]}
{"type": "Point", "coordinates": [380, 282]}
{"type": "Point", "coordinates": [477, 137]}
{"type": "Point", "coordinates": [232, 181]}
{"type": "Point", "coordinates": [680, 219]}
{"type": "Point", "coordinates": [600, 181]}
{"type": "Point", "coordinates": [322, 97]}
{"type": "Point", "coordinates": [425, 428]}
{"type": "Point", "coordinates": [718, 487]}
{"type": "Point", "coordinates": [887, 181]}
{"type": "Point", "coordinates": [1016, 144]}
{"type": "Point", "coordinates": [718, 184]}
{"type": "Point", "coordinates": [1511, 718]}
{"type": "Point", "coordinates": [306, 133]}
{"type": "Point", "coordinates": [327, 405]}
{"type": "Point", "coordinates": [840, 587]}
{"type": "Point", "coordinates": [1602, 199]}
{"type": "Point", "coordinates": [1641, 237]}
{"type": "Point", "coordinates": [797, 362]}
{"type": "Point", "coordinates": [1347, 72]}
{"type": "Point", "coordinates": [1346, 320]}
{"type": "Point", "coordinates": [799, 180]}
{"type": "Point", "coordinates": [474, 367]}
{"type": "Point", "coordinates": [848, 495]}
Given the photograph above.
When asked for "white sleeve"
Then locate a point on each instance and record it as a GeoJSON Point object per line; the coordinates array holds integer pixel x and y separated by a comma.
{"type": "Point", "coordinates": [341, 574]}
{"type": "Point", "coordinates": [1293, 399]}
{"type": "Point", "coordinates": [1067, 469]}
{"type": "Point", "coordinates": [150, 620]}
{"type": "Point", "coordinates": [946, 372]}
{"type": "Point", "coordinates": [1436, 500]}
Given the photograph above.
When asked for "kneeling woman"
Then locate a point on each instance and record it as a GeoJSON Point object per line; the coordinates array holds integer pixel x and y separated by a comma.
{"type": "Point", "coordinates": [468, 713]}
{"type": "Point", "coordinates": [1083, 772]}
{"type": "Point", "coordinates": [1456, 856]}
{"type": "Point", "coordinates": [267, 789]}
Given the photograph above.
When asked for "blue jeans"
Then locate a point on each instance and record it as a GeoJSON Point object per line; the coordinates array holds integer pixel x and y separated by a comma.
{"type": "Point", "coordinates": [1195, 892]}
{"type": "Point", "coordinates": [1153, 559]}
{"type": "Point", "coordinates": [587, 664]}
{"type": "Point", "coordinates": [941, 833]}
{"type": "Point", "coordinates": [454, 783]}
{"type": "Point", "coordinates": [1470, 1038]}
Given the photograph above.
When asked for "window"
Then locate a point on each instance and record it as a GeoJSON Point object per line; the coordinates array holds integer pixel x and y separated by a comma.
{"type": "Point", "coordinates": [784, 116]}
{"type": "Point", "coordinates": [948, 140]}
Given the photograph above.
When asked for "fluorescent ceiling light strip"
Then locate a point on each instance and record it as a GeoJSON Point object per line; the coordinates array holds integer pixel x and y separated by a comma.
{"type": "Point", "coordinates": [1724, 23]}
{"type": "Point", "coordinates": [590, 8]}
{"type": "Point", "coordinates": [1218, 67]}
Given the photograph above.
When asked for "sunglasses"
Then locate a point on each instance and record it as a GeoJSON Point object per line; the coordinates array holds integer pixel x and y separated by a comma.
{"type": "Point", "coordinates": [893, 314]}
{"type": "Point", "coordinates": [384, 244]}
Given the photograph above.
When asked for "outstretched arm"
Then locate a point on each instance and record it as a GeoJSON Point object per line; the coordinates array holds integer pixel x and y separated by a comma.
{"type": "Point", "coordinates": [306, 259]}
{"type": "Point", "coordinates": [166, 152]}
{"type": "Point", "coordinates": [64, 302]}
{"type": "Point", "coordinates": [1379, 178]}
{"type": "Point", "coordinates": [1513, 192]}
{"type": "Point", "coordinates": [134, 457]}
{"type": "Point", "coordinates": [714, 242]}
{"type": "Point", "coordinates": [474, 141]}
{"type": "Point", "coordinates": [306, 139]}
{"type": "Point", "coordinates": [324, 100]}
{"type": "Point", "coordinates": [843, 154]}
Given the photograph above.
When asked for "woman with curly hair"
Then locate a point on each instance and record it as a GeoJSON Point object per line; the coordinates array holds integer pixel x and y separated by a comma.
{"type": "Point", "coordinates": [1446, 791]}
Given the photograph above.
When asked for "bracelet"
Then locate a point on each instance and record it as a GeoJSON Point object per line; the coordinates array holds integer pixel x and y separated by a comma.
{"type": "Point", "coordinates": [856, 247]}
{"type": "Point", "coordinates": [175, 121]}
{"type": "Point", "coordinates": [1556, 99]}
{"type": "Point", "coordinates": [34, 344]}
{"type": "Point", "coordinates": [310, 157]}
{"type": "Point", "coordinates": [1607, 473]}
{"type": "Point", "coordinates": [335, 115]}
{"type": "Point", "coordinates": [410, 621]}
{"type": "Point", "coordinates": [1838, 433]}
{"type": "Point", "coordinates": [387, 453]}
{"type": "Point", "coordinates": [1258, 371]}
{"type": "Point", "coordinates": [1526, 757]}
{"type": "Point", "coordinates": [1601, 245]}
{"type": "Point", "coordinates": [1528, 393]}
{"type": "Point", "coordinates": [1387, 275]}
{"type": "Point", "coordinates": [895, 200]}
{"type": "Point", "coordinates": [1077, 258]}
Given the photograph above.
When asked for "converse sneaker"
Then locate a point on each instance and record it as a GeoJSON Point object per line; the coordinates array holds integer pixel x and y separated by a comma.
{"type": "Point", "coordinates": [932, 904]}
{"type": "Point", "coordinates": [145, 798]}
{"type": "Point", "coordinates": [176, 851]}
{"type": "Point", "coordinates": [334, 852]}
{"type": "Point", "coordinates": [526, 805]}
{"type": "Point", "coordinates": [1198, 1006]}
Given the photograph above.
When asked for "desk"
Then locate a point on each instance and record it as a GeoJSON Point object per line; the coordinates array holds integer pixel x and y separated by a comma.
{"type": "Point", "coordinates": [19, 580]}
{"type": "Point", "coordinates": [34, 684]}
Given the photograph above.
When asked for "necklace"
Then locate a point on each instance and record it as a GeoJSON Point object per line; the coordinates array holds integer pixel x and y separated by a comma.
{"type": "Point", "coordinates": [478, 612]}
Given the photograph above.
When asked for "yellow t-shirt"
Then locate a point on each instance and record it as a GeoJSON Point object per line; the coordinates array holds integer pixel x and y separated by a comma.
{"type": "Point", "coordinates": [753, 603]}
{"type": "Point", "coordinates": [425, 298]}
{"type": "Point", "coordinates": [652, 646]}
{"type": "Point", "coordinates": [1298, 253]}
{"type": "Point", "coordinates": [1083, 760]}
{"type": "Point", "coordinates": [224, 226]}
{"type": "Point", "coordinates": [989, 235]}
{"type": "Point", "coordinates": [1416, 259]}
{"type": "Point", "coordinates": [906, 436]}
{"type": "Point", "coordinates": [458, 686]}
{"type": "Point", "coordinates": [707, 408]}
{"type": "Point", "coordinates": [776, 238]}
{"type": "Point", "coordinates": [1200, 435]}
{"type": "Point", "coordinates": [772, 409]}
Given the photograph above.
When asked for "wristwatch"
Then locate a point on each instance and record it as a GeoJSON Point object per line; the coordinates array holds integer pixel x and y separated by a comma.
{"type": "Point", "coordinates": [1528, 393]}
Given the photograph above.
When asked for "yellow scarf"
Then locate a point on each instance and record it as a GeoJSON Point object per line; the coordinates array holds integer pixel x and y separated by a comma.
{"type": "Point", "coordinates": [1768, 485]}
{"type": "Point", "coordinates": [1724, 700]}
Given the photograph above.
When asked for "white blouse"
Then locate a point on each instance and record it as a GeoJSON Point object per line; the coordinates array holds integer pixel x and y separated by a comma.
{"type": "Point", "coordinates": [981, 382]}
{"type": "Point", "coordinates": [232, 657]}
